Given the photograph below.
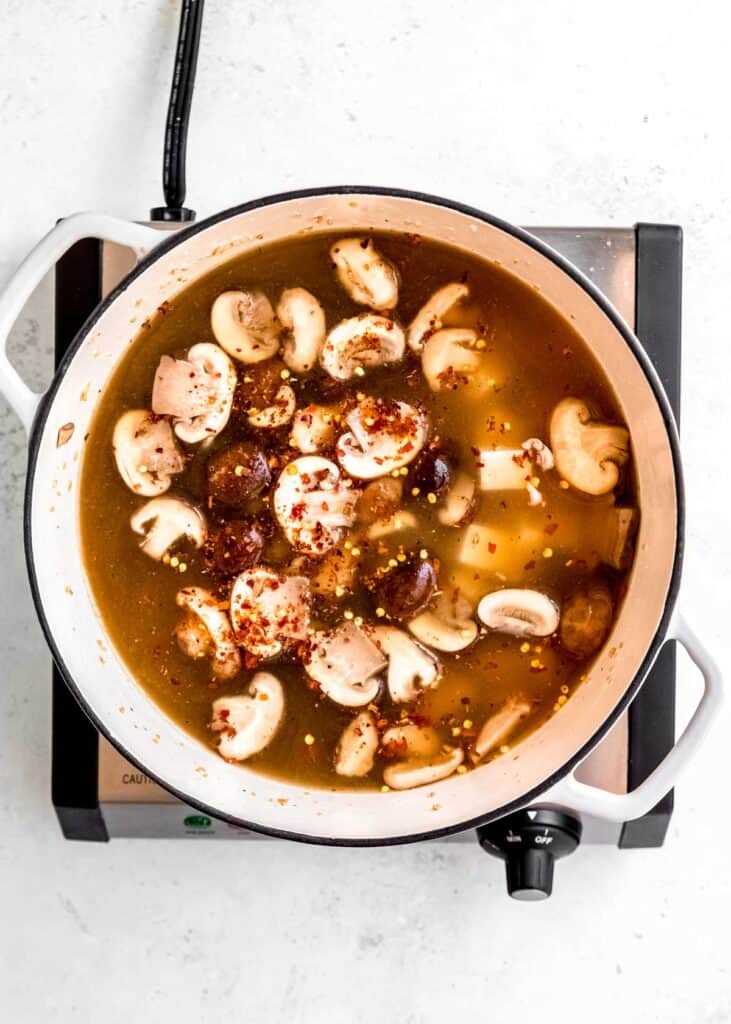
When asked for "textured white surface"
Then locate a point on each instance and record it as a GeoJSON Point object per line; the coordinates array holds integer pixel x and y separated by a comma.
{"type": "Point", "coordinates": [561, 112]}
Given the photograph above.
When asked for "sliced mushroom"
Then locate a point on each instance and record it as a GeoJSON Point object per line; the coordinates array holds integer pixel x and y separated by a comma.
{"type": "Point", "coordinates": [449, 358]}
{"type": "Point", "coordinates": [519, 612]}
{"type": "Point", "coordinates": [145, 452]}
{"type": "Point", "coordinates": [203, 610]}
{"type": "Point", "coordinates": [448, 625]}
{"type": "Point", "coordinates": [384, 435]}
{"type": "Point", "coordinates": [247, 723]}
{"type": "Point", "coordinates": [430, 317]}
{"type": "Point", "coordinates": [303, 319]}
{"type": "Point", "coordinates": [336, 573]}
{"type": "Point", "coordinates": [398, 522]}
{"type": "Point", "coordinates": [197, 392]}
{"type": "Point", "coordinates": [313, 505]}
{"type": "Point", "coordinates": [425, 761]}
{"type": "Point", "coordinates": [411, 668]}
{"type": "Point", "coordinates": [367, 276]}
{"type": "Point", "coordinates": [313, 428]}
{"type": "Point", "coordinates": [244, 324]}
{"type": "Point", "coordinates": [617, 536]}
{"type": "Point", "coordinates": [498, 727]}
{"type": "Point", "coordinates": [360, 343]}
{"type": "Point", "coordinates": [357, 746]}
{"type": "Point", "coordinates": [345, 663]}
{"type": "Point", "coordinates": [278, 413]}
{"type": "Point", "coordinates": [585, 619]}
{"type": "Point", "coordinates": [162, 522]}
{"type": "Point", "coordinates": [588, 453]}
{"type": "Point", "coordinates": [269, 610]}
{"type": "Point", "coordinates": [459, 503]}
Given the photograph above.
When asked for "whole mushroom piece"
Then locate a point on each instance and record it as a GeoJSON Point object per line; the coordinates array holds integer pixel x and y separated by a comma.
{"type": "Point", "coordinates": [247, 723]}
{"type": "Point", "coordinates": [357, 746]}
{"type": "Point", "coordinates": [360, 343]}
{"type": "Point", "coordinates": [303, 320]}
{"type": "Point", "coordinates": [145, 451]}
{"type": "Point", "coordinates": [345, 663]}
{"type": "Point", "coordinates": [411, 668]}
{"type": "Point", "coordinates": [269, 610]}
{"type": "Point", "coordinates": [424, 760]}
{"type": "Point", "coordinates": [206, 632]}
{"type": "Point", "coordinates": [313, 505]}
{"type": "Point", "coordinates": [313, 428]}
{"type": "Point", "coordinates": [367, 276]}
{"type": "Point", "coordinates": [163, 521]}
{"type": "Point", "coordinates": [429, 318]}
{"type": "Point", "coordinates": [244, 324]}
{"type": "Point", "coordinates": [519, 612]}
{"type": "Point", "coordinates": [197, 392]}
{"type": "Point", "coordinates": [588, 453]}
{"type": "Point", "coordinates": [449, 358]}
{"type": "Point", "coordinates": [586, 618]}
{"type": "Point", "coordinates": [384, 435]}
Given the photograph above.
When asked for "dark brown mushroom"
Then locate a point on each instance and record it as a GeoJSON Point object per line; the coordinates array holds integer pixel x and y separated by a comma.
{"type": "Point", "coordinates": [237, 474]}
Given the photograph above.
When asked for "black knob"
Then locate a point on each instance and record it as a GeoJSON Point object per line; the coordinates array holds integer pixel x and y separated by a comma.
{"type": "Point", "coordinates": [530, 842]}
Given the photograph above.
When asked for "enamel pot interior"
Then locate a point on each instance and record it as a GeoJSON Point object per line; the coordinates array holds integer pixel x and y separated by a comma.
{"type": "Point", "coordinates": [134, 722]}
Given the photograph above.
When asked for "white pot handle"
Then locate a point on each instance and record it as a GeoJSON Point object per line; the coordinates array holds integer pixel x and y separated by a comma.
{"type": "Point", "coordinates": [621, 807]}
{"type": "Point", "coordinates": [33, 269]}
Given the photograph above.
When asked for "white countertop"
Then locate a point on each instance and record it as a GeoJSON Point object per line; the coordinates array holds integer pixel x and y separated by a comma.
{"type": "Point", "coordinates": [560, 112]}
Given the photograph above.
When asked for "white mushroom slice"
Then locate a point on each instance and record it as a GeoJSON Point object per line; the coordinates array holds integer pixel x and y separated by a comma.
{"type": "Point", "coordinates": [345, 663]}
{"type": "Point", "coordinates": [247, 723]}
{"type": "Point", "coordinates": [384, 435]}
{"type": "Point", "coordinates": [514, 469]}
{"type": "Point", "coordinates": [430, 317]}
{"type": "Point", "coordinates": [302, 317]}
{"type": "Point", "coordinates": [367, 276]}
{"type": "Point", "coordinates": [359, 343]}
{"type": "Point", "coordinates": [313, 428]}
{"type": "Point", "coordinates": [411, 668]}
{"type": "Point", "coordinates": [448, 625]}
{"type": "Point", "coordinates": [588, 454]}
{"type": "Point", "coordinates": [399, 521]}
{"type": "Point", "coordinates": [269, 610]}
{"type": "Point", "coordinates": [197, 392]}
{"type": "Point", "coordinates": [425, 760]}
{"type": "Point", "coordinates": [244, 324]}
{"type": "Point", "coordinates": [357, 746]}
{"type": "Point", "coordinates": [164, 521]}
{"type": "Point", "coordinates": [202, 605]}
{"type": "Point", "coordinates": [449, 358]}
{"type": "Point", "coordinates": [519, 612]}
{"type": "Point", "coordinates": [459, 502]}
{"type": "Point", "coordinates": [498, 727]}
{"type": "Point", "coordinates": [145, 452]}
{"type": "Point", "coordinates": [278, 413]}
{"type": "Point", "coordinates": [313, 505]}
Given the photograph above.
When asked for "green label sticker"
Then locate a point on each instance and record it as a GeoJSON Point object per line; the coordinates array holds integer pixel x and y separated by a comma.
{"type": "Point", "coordinates": [197, 821]}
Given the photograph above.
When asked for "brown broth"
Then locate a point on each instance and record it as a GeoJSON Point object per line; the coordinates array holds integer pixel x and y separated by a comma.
{"type": "Point", "coordinates": [534, 358]}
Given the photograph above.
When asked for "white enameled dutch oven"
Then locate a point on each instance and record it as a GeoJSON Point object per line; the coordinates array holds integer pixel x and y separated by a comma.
{"type": "Point", "coordinates": [541, 768]}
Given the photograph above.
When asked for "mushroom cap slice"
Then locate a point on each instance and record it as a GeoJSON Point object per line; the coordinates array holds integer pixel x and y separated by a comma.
{"type": "Point", "coordinates": [244, 324]}
{"type": "Point", "coordinates": [197, 392]}
{"type": "Point", "coordinates": [367, 276]}
{"type": "Point", "coordinates": [303, 320]}
{"type": "Point", "coordinates": [429, 318]}
{"type": "Point", "coordinates": [425, 761]}
{"type": "Point", "coordinates": [278, 413]}
{"type": "Point", "coordinates": [411, 668]}
{"type": "Point", "coordinates": [459, 502]}
{"type": "Point", "coordinates": [357, 746]}
{"type": "Point", "coordinates": [449, 358]}
{"type": "Point", "coordinates": [164, 521]}
{"type": "Point", "coordinates": [359, 343]}
{"type": "Point", "coordinates": [448, 625]}
{"type": "Point", "coordinates": [588, 453]}
{"type": "Point", "coordinates": [519, 612]}
{"type": "Point", "coordinates": [313, 505]}
{"type": "Point", "coordinates": [247, 723]}
{"type": "Point", "coordinates": [201, 603]}
{"type": "Point", "coordinates": [499, 726]}
{"type": "Point", "coordinates": [313, 428]}
{"type": "Point", "coordinates": [384, 435]}
{"type": "Point", "coordinates": [345, 662]}
{"type": "Point", "coordinates": [269, 610]}
{"type": "Point", "coordinates": [145, 452]}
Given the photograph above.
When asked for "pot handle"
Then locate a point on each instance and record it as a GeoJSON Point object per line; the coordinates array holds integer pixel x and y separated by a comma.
{"type": "Point", "coordinates": [33, 269]}
{"type": "Point", "coordinates": [621, 807]}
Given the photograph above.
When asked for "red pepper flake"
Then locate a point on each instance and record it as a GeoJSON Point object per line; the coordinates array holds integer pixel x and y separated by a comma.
{"type": "Point", "coordinates": [491, 547]}
{"type": "Point", "coordinates": [551, 528]}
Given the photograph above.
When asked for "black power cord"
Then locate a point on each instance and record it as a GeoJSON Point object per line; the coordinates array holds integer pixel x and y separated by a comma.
{"type": "Point", "coordinates": [176, 126]}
